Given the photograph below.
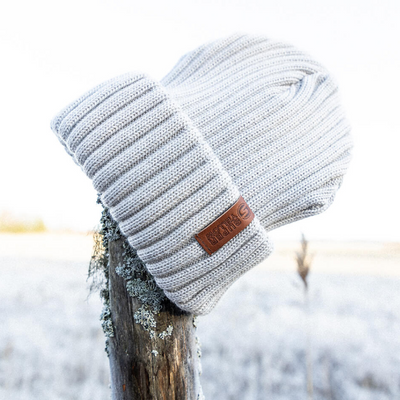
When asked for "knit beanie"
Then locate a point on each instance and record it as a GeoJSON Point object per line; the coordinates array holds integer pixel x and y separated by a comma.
{"type": "Point", "coordinates": [245, 134]}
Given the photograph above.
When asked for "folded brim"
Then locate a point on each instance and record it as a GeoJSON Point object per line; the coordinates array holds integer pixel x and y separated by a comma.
{"type": "Point", "coordinates": [163, 184]}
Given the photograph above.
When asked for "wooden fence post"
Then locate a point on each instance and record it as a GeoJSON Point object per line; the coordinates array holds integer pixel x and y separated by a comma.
{"type": "Point", "coordinates": [153, 350]}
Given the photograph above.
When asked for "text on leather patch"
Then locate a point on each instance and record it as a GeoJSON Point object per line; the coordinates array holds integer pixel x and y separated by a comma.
{"type": "Point", "coordinates": [226, 227]}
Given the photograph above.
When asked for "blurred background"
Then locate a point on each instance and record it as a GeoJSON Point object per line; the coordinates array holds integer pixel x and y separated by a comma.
{"type": "Point", "coordinates": [51, 343]}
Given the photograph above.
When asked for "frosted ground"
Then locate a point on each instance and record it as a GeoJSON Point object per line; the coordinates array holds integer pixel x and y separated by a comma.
{"type": "Point", "coordinates": [253, 343]}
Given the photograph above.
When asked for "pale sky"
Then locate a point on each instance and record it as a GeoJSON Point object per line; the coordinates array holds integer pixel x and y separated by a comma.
{"type": "Point", "coordinates": [53, 51]}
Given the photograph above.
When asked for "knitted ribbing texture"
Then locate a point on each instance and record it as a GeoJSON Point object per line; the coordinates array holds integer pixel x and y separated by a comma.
{"type": "Point", "coordinates": [241, 116]}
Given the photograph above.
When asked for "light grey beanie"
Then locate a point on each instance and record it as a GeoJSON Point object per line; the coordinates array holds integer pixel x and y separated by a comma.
{"type": "Point", "coordinates": [245, 134]}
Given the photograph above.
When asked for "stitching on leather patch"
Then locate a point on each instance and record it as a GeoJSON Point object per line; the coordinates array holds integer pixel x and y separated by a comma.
{"type": "Point", "coordinates": [225, 227]}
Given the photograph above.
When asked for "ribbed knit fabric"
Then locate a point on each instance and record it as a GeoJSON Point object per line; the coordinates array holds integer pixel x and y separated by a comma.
{"type": "Point", "coordinates": [244, 115]}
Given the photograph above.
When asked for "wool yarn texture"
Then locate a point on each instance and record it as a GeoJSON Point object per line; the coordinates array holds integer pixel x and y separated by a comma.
{"type": "Point", "coordinates": [240, 116]}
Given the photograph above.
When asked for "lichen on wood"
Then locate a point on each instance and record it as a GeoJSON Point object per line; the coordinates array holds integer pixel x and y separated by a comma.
{"type": "Point", "coordinates": [99, 268]}
{"type": "Point", "coordinates": [139, 283]}
{"type": "Point", "coordinates": [151, 343]}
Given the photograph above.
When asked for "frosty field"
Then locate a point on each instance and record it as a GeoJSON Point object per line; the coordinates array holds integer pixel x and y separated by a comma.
{"type": "Point", "coordinates": [253, 344]}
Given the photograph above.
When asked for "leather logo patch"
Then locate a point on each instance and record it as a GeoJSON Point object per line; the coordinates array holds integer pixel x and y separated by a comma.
{"type": "Point", "coordinates": [226, 227]}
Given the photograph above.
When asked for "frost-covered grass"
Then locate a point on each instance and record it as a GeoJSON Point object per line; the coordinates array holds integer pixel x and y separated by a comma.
{"type": "Point", "coordinates": [51, 342]}
{"type": "Point", "coordinates": [253, 343]}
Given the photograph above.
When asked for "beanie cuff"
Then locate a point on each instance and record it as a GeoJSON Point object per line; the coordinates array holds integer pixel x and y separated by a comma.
{"type": "Point", "coordinates": [163, 184]}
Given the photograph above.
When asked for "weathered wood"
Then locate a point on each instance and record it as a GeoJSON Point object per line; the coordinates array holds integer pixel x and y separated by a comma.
{"type": "Point", "coordinates": [142, 367]}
